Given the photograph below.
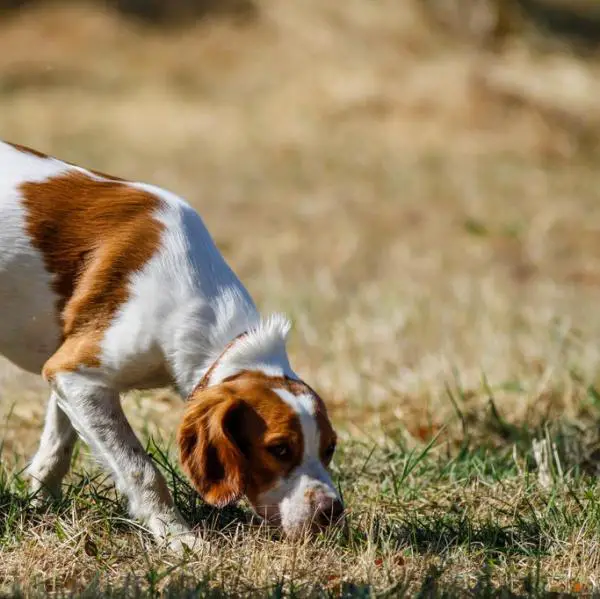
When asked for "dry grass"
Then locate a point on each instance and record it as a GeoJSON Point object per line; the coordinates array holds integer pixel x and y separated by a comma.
{"type": "Point", "coordinates": [430, 218]}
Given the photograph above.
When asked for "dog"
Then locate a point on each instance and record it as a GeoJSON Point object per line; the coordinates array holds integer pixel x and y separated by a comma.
{"type": "Point", "coordinates": [108, 285]}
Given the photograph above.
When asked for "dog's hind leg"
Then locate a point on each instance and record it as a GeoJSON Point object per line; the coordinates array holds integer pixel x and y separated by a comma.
{"type": "Point", "coordinates": [53, 457]}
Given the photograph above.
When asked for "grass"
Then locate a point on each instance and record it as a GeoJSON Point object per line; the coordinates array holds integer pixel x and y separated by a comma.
{"type": "Point", "coordinates": [429, 216]}
{"type": "Point", "coordinates": [426, 521]}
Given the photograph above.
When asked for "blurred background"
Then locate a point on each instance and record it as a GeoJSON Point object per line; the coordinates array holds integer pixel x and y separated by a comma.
{"type": "Point", "coordinates": [414, 181]}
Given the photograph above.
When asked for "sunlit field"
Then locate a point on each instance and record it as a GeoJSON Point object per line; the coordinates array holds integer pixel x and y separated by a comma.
{"type": "Point", "coordinates": [427, 213]}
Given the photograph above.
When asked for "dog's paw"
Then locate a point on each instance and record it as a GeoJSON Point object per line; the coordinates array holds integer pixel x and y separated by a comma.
{"type": "Point", "coordinates": [173, 533]}
{"type": "Point", "coordinates": [42, 497]}
{"type": "Point", "coordinates": [187, 542]}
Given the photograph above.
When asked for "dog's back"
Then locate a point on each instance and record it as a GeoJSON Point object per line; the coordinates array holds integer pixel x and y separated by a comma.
{"type": "Point", "coordinates": [84, 255]}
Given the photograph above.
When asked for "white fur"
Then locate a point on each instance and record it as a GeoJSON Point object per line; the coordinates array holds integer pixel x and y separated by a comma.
{"type": "Point", "coordinates": [29, 331]}
{"type": "Point", "coordinates": [186, 305]}
{"type": "Point", "coordinates": [184, 308]}
{"type": "Point", "coordinates": [262, 349]}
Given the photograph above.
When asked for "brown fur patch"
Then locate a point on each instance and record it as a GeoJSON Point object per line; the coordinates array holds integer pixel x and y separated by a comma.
{"type": "Point", "coordinates": [224, 437]}
{"type": "Point", "coordinates": [92, 235]}
{"type": "Point", "coordinates": [327, 435]}
{"type": "Point", "coordinates": [27, 150]}
{"type": "Point", "coordinates": [105, 176]}
{"type": "Point", "coordinates": [38, 154]}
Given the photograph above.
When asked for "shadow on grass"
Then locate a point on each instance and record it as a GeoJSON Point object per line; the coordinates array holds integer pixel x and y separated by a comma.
{"type": "Point", "coordinates": [20, 509]}
{"type": "Point", "coordinates": [434, 584]}
{"type": "Point", "coordinates": [440, 534]}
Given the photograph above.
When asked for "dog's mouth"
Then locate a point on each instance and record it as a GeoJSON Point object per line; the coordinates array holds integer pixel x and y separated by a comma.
{"type": "Point", "coordinates": [315, 524]}
{"type": "Point", "coordinates": [271, 516]}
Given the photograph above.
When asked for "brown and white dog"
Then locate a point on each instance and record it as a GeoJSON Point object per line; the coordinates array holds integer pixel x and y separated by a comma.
{"type": "Point", "coordinates": [108, 285]}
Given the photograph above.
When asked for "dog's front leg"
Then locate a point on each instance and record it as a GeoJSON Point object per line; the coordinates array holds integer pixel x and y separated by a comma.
{"type": "Point", "coordinates": [96, 414]}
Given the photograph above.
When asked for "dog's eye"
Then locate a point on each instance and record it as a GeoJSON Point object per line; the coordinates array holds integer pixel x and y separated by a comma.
{"type": "Point", "coordinates": [281, 451]}
{"type": "Point", "coordinates": [329, 452]}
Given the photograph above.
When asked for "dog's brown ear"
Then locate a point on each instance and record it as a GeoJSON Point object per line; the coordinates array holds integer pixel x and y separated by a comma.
{"type": "Point", "coordinates": [208, 448]}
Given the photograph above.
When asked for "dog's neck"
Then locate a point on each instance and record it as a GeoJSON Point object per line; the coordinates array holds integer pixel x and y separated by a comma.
{"type": "Point", "coordinates": [261, 348]}
{"type": "Point", "coordinates": [218, 342]}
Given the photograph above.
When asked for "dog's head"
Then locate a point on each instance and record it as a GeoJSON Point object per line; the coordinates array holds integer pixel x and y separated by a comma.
{"type": "Point", "coordinates": [268, 438]}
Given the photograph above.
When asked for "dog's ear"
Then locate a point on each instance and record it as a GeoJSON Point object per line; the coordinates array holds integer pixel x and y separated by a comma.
{"type": "Point", "coordinates": [209, 446]}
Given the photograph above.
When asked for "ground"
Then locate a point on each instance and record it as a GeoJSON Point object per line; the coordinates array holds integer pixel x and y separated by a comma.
{"type": "Point", "coordinates": [427, 213]}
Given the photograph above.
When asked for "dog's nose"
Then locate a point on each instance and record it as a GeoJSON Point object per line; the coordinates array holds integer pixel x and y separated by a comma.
{"type": "Point", "coordinates": [330, 513]}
